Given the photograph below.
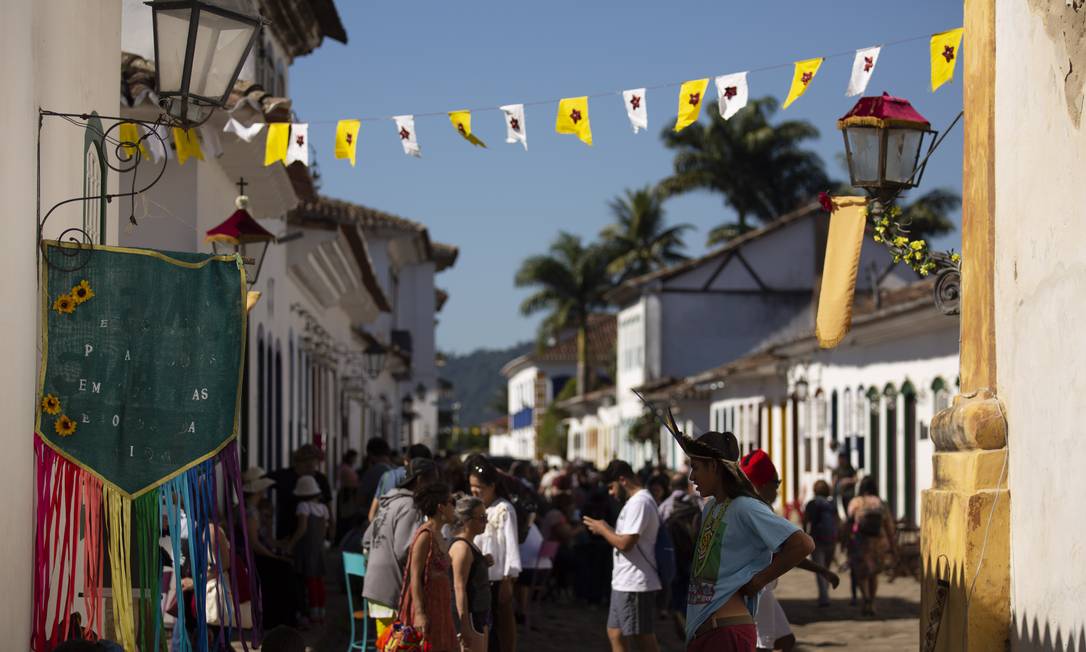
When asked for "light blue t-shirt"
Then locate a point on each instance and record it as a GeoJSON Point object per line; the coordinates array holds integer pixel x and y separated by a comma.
{"type": "Point", "coordinates": [736, 541]}
{"type": "Point", "coordinates": [390, 479]}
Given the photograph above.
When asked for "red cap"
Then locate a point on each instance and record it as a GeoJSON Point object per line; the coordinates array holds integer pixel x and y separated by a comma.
{"type": "Point", "coordinates": [758, 467]}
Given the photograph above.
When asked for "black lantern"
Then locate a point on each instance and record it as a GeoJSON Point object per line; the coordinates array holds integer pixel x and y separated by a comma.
{"type": "Point", "coordinates": [374, 359]}
{"type": "Point", "coordinates": [420, 391]}
{"type": "Point", "coordinates": [405, 405]}
{"type": "Point", "coordinates": [884, 137]}
{"type": "Point", "coordinates": [200, 49]}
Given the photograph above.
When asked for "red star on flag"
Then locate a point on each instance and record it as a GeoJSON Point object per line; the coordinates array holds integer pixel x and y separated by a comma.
{"type": "Point", "coordinates": [869, 63]}
{"type": "Point", "coordinates": [300, 140]}
{"type": "Point", "coordinates": [460, 128]}
{"type": "Point", "coordinates": [350, 138]}
{"type": "Point", "coordinates": [730, 92]}
{"type": "Point", "coordinates": [806, 78]}
{"type": "Point", "coordinates": [694, 99]}
{"type": "Point", "coordinates": [948, 53]}
{"type": "Point", "coordinates": [514, 124]}
{"type": "Point", "coordinates": [404, 133]}
{"type": "Point", "coordinates": [635, 102]}
{"type": "Point", "coordinates": [575, 116]}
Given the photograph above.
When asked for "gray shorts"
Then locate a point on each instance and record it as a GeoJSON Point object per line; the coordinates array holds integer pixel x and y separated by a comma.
{"type": "Point", "coordinates": [633, 613]}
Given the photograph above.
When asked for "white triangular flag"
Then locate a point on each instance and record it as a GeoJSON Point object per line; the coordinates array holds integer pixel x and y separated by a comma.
{"type": "Point", "coordinates": [212, 144]}
{"type": "Point", "coordinates": [241, 131]}
{"type": "Point", "coordinates": [862, 67]}
{"type": "Point", "coordinates": [636, 108]}
{"type": "Point", "coordinates": [298, 145]}
{"type": "Point", "coordinates": [158, 144]}
{"type": "Point", "coordinates": [515, 128]}
{"type": "Point", "coordinates": [405, 129]}
{"type": "Point", "coordinates": [732, 93]}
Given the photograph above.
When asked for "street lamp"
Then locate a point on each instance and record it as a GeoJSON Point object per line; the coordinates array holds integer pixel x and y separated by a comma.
{"type": "Point", "coordinates": [200, 49]}
{"type": "Point", "coordinates": [883, 138]}
{"type": "Point", "coordinates": [374, 359]}
{"type": "Point", "coordinates": [802, 389]}
{"type": "Point", "coordinates": [242, 231]}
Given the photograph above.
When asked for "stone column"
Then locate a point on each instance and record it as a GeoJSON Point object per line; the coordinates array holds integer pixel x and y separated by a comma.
{"type": "Point", "coordinates": [965, 516]}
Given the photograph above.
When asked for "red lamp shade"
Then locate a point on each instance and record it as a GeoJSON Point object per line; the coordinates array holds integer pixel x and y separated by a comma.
{"type": "Point", "coordinates": [239, 228]}
{"type": "Point", "coordinates": [883, 111]}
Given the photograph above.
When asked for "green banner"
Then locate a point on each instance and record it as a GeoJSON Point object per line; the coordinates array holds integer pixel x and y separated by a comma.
{"type": "Point", "coordinates": [141, 359]}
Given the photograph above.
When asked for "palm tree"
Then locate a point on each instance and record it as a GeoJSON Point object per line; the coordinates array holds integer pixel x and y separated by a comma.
{"type": "Point", "coordinates": [927, 214]}
{"type": "Point", "coordinates": [761, 168]}
{"type": "Point", "coordinates": [639, 241]}
{"type": "Point", "coordinates": [570, 282]}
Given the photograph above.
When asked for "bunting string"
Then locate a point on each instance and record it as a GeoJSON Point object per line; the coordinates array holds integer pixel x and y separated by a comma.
{"type": "Point", "coordinates": [288, 142]}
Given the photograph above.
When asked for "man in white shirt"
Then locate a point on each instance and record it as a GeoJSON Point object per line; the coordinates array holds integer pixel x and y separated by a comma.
{"type": "Point", "coordinates": [634, 577]}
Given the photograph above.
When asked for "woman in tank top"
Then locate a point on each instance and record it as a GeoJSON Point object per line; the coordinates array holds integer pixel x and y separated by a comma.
{"type": "Point", "coordinates": [471, 580]}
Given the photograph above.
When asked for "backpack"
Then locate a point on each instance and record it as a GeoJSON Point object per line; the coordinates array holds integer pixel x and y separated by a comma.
{"type": "Point", "coordinates": [666, 567]}
{"type": "Point", "coordinates": [823, 520]}
{"type": "Point", "coordinates": [869, 523]}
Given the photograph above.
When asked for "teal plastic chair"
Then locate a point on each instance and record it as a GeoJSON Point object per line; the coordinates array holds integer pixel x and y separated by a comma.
{"type": "Point", "coordinates": [354, 564]}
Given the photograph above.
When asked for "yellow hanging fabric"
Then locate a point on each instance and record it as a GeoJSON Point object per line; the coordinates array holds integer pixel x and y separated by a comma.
{"type": "Point", "coordinates": [461, 120]}
{"type": "Point", "coordinates": [691, 95]}
{"type": "Point", "coordinates": [129, 132]}
{"type": "Point", "coordinates": [839, 272]}
{"type": "Point", "coordinates": [572, 118]}
{"type": "Point", "coordinates": [944, 56]}
{"type": "Point", "coordinates": [347, 139]}
{"type": "Point", "coordinates": [119, 526]}
{"type": "Point", "coordinates": [278, 139]}
{"type": "Point", "coordinates": [803, 74]}
{"type": "Point", "coordinates": [188, 145]}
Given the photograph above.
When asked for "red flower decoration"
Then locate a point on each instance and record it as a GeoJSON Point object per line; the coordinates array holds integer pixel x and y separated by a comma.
{"type": "Point", "coordinates": [575, 116]}
{"type": "Point", "coordinates": [869, 63]}
{"type": "Point", "coordinates": [695, 98]}
{"type": "Point", "coordinates": [730, 92]}
{"type": "Point", "coordinates": [806, 78]}
{"type": "Point", "coordinates": [826, 201]}
{"type": "Point", "coordinates": [948, 53]}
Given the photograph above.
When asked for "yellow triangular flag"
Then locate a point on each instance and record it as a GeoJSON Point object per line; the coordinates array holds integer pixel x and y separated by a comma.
{"type": "Point", "coordinates": [462, 121]}
{"type": "Point", "coordinates": [188, 145]}
{"type": "Point", "coordinates": [690, 97]}
{"type": "Point", "coordinates": [128, 132]}
{"type": "Point", "coordinates": [275, 147]}
{"type": "Point", "coordinates": [843, 247]}
{"type": "Point", "coordinates": [802, 76]}
{"type": "Point", "coordinates": [572, 118]}
{"type": "Point", "coordinates": [944, 55]}
{"type": "Point", "coordinates": [347, 139]}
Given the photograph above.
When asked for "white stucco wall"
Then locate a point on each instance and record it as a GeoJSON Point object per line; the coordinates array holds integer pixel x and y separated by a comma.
{"type": "Point", "coordinates": [39, 40]}
{"type": "Point", "coordinates": [1040, 282]}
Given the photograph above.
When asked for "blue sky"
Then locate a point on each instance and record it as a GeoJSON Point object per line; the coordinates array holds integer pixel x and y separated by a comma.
{"type": "Point", "coordinates": [502, 204]}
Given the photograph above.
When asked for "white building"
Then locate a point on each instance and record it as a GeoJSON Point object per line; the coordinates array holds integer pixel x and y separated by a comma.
{"type": "Point", "coordinates": [711, 310]}
{"type": "Point", "coordinates": [536, 379]}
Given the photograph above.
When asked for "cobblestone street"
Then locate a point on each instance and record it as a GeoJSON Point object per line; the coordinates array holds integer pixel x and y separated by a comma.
{"type": "Point", "coordinates": [571, 626]}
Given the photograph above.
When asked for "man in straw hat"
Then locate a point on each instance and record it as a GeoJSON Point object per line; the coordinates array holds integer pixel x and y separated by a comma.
{"type": "Point", "coordinates": [741, 546]}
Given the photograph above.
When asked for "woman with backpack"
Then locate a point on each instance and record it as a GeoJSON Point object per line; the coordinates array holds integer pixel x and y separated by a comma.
{"type": "Point", "coordinates": [501, 542]}
{"type": "Point", "coordinates": [872, 536]}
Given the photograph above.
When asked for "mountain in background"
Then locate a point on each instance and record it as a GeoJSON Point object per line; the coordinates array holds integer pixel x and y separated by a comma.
{"type": "Point", "coordinates": [477, 380]}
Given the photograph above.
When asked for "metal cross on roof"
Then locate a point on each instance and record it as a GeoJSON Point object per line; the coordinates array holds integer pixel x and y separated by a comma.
{"type": "Point", "coordinates": [241, 185]}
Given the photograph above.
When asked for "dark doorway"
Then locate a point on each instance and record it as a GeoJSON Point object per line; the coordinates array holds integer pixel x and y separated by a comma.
{"type": "Point", "coordinates": [891, 449]}
{"type": "Point", "coordinates": [909, 393]}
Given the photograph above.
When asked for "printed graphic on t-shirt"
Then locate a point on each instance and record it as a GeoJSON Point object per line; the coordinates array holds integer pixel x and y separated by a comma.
{"type": "Point", "coordinates": [706, 567]}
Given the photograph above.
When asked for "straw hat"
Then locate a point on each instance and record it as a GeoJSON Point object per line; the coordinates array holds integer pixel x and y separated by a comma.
{"type": "Point", "coordinates": [253, 473]}
{"type": "Point", "coordinates": [257, 485]}
{"type": "Point", "coordinates": [307, 487]}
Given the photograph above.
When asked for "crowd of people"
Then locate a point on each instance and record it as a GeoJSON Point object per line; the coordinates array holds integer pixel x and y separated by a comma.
{"type": "Point", "coordinates": [461, 553]}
